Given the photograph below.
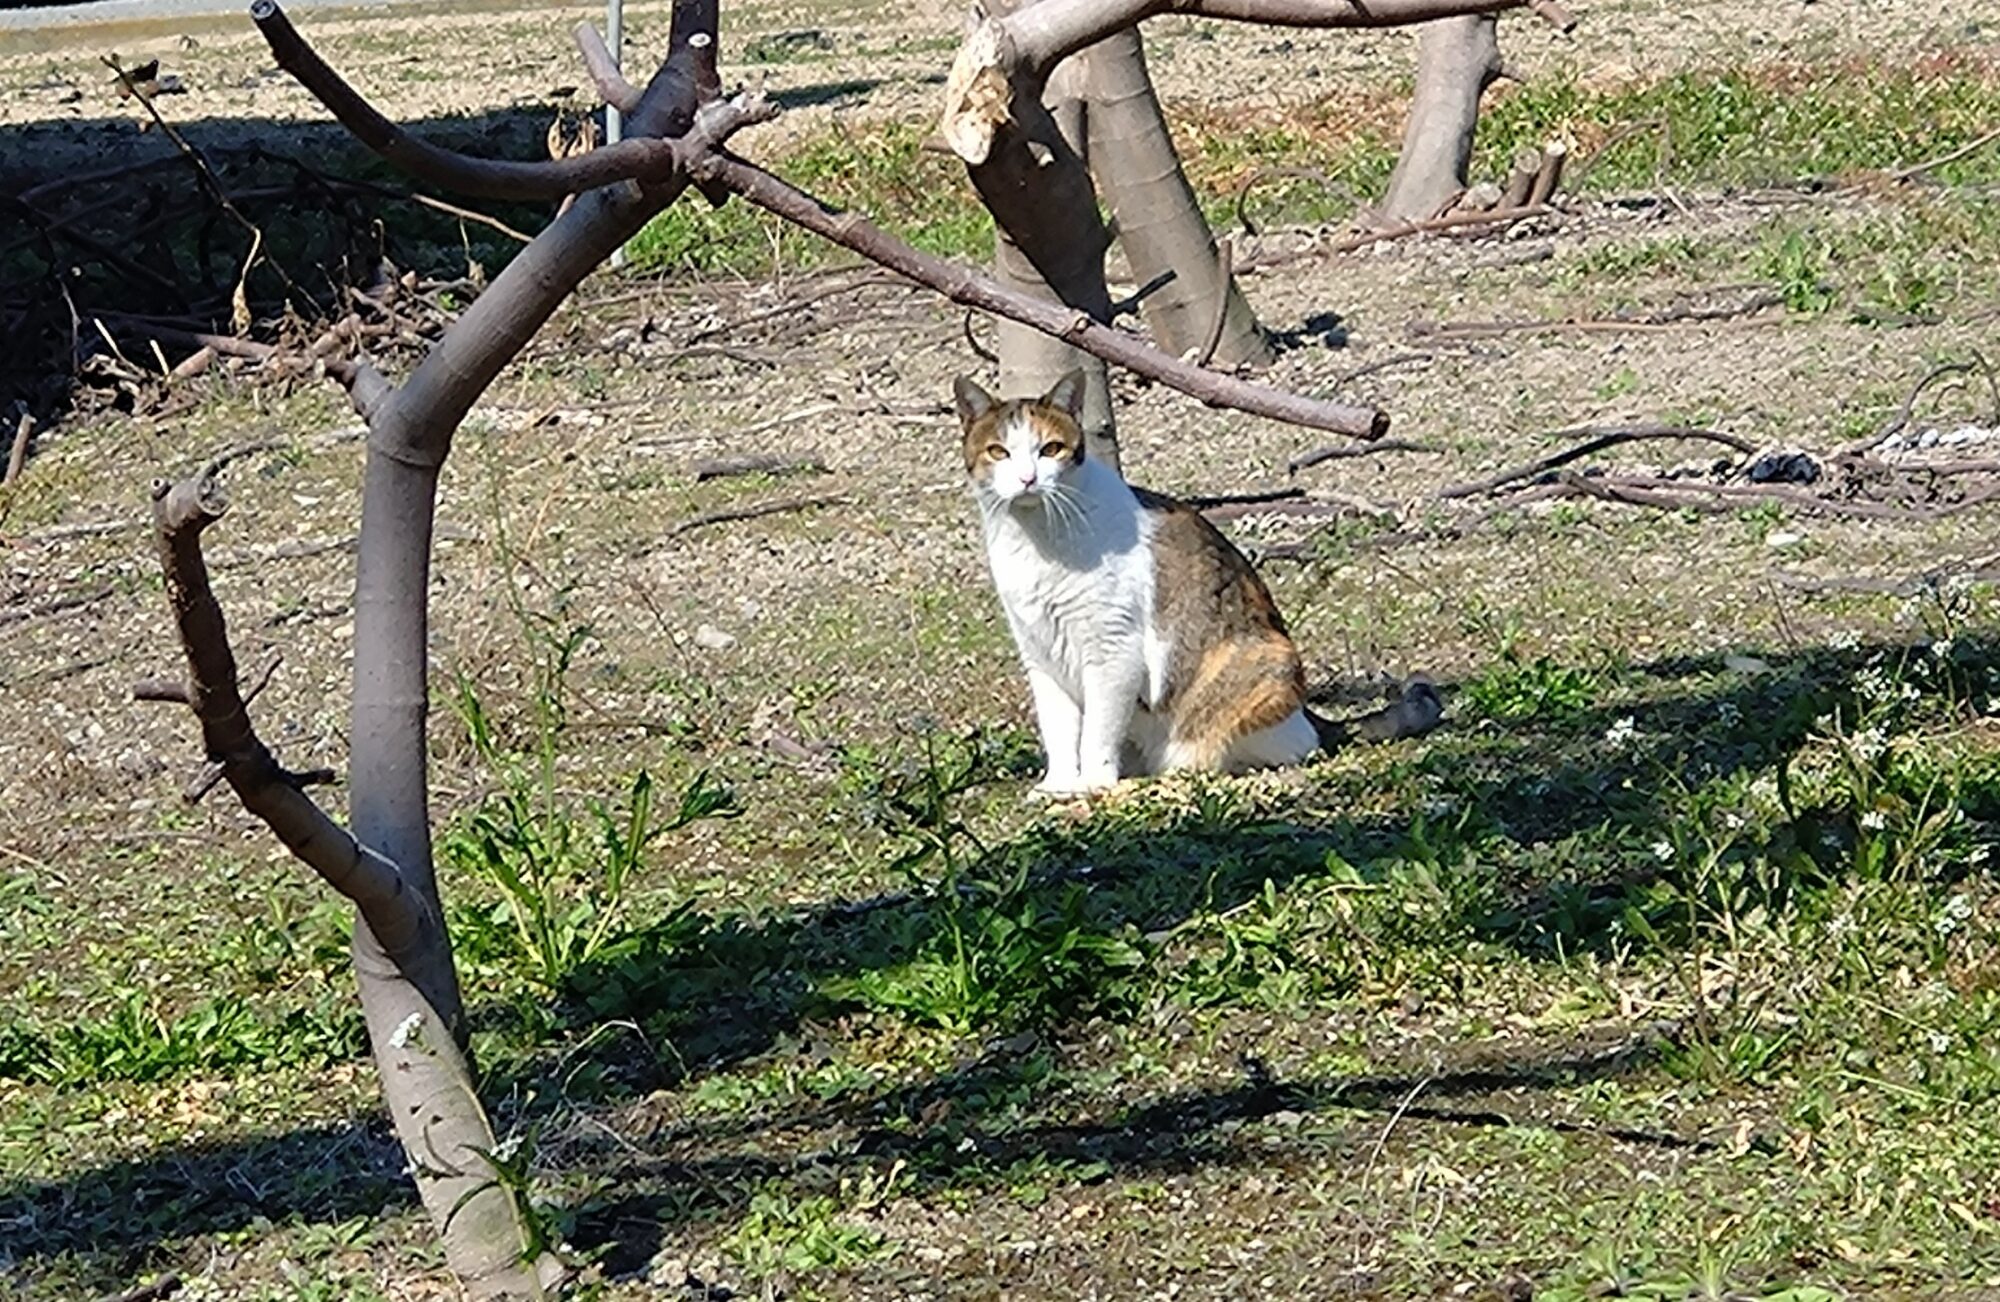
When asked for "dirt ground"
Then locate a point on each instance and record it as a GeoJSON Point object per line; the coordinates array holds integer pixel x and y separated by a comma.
{"type": "Point", "coordinates": [1169, 1154]}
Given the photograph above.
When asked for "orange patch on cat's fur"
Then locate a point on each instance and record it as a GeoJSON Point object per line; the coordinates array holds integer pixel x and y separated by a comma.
{"type": "Point", "coordinates": [1239, 687]}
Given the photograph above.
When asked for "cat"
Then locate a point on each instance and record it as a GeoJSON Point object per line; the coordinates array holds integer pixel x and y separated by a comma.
{"type": "Point", "coordinates": [1149, 641]}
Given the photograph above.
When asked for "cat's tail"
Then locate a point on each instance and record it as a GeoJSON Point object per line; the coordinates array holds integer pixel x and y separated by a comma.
{"type": "Point", "coordinates": [1417, 711]}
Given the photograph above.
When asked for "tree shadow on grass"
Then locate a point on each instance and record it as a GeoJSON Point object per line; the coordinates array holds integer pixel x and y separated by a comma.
{"type": "Point", "coordinates": [1476, 806]}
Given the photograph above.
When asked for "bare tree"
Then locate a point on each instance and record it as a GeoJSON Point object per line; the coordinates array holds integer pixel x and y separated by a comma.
{"type": "Point", "coordinates": [1008, 115]}
{"type": "Point", "coordinates": [1457, 59]}
{"type": "Point", "coordinates": [1199, 308]}
{"type": "Point", "coordinates": [1028, 165]}
{"type": "Point", "coordinates": [675, 132]}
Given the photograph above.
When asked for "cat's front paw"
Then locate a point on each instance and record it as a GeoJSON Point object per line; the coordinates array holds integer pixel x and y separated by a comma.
{"type": "Point", "coordinates": [1058, 786]}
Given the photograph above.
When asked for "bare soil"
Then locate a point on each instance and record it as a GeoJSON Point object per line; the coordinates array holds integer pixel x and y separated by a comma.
{"type": "Point", "coordinates": [745, 645]}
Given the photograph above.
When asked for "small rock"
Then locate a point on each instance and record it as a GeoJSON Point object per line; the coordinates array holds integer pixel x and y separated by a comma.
{"type": "Point", "coordinates": [1783, 538]}
{"type": "Point", "coordinates": [1286, 1119]}
{"type": "Point", "coordinates": [1484, 197]}
{"type": "Point", "coordinates": [710, 638]}
{"type": "Point", "coordinates": [1784, 466]}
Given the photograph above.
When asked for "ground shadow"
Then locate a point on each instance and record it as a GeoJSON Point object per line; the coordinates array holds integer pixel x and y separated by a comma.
{"type": "Point", "coordinates": [723, 991]}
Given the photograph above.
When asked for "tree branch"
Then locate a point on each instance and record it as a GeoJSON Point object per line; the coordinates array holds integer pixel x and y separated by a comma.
{"type": "Point", "coordinates": [1595, 439]}
{"type": "Point", "coordinates": [965, 286]}
{"type": "Point", "coordinates": [1046, 33]}
{"type": "Point", "coordinates": [268, 790]}
{"type": "Point", "coordinates": [603, 68]}
{"type": "Point", "coordinates": [638, 159]}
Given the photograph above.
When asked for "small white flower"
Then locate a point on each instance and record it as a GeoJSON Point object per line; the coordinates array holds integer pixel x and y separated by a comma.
{"type": "Point", "coordinates": [1954, 913]}
{"type": "Point", "coordinates": [406, 1031]}
{"type": "Point", "coordinates": [1728, 714]}
{"type": "Point", "coordinates": [1663, 851]}
{"type": "Point", "coordinates": [1620, 734]}
{"type": "Point", "coordinates": [1874, 820]}
{"type": "Point", "coordinates": [1869, 743]}
{"type": "Point", "coordinates": [1845, 640]}
{"type": "Point", "coordinates": [1942, 648]}
{"type": "Point", "coordinates": [1940, 1042]}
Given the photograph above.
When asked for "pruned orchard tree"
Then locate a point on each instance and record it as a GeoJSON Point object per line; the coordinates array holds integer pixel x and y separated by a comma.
{"type": "Point", "coordinates": [1457, 59]}
{"type": "Point", "coordinates": [677, 129]}
{"type": "Point", "coordinates": [1033, 139]}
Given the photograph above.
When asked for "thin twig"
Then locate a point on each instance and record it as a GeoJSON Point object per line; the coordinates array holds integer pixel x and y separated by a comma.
{"type": "Point", "coordinates": [753, 511]}
{"type": "Point", "coordinates": [1901, 419]}
{"type": "Point", "coordinates": [17, 455]}
{"type": "Point", "coordinates": [755, 464]}
{"type": "Point", "coordinates": [1596, 439]}
{"type": "Point", "coordinates": [1129, 305]}
{"type": "Point", "coordinates": [1224, 256]}
{"type": "Point", "coordinates": [1331, 452]}
{"type": "Point", "coordinates": [1911, 173]}
{"type": "Point", "coordinates": [1331, 506]}
{"type": "Point", "coordinates": [1661, 319]}
{"type": "Point", "coordinates": [1210, 503]}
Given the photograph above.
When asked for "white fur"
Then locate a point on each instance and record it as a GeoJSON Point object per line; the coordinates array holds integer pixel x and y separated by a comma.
{"type": "Point", "coordinates": [1067, 545]}
{"type": "Point", "coordinates": [1070, 550]}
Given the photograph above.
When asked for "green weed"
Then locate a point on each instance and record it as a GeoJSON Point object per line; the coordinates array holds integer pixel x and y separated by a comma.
{"type": "Point", "coordinates": [798, 1235]}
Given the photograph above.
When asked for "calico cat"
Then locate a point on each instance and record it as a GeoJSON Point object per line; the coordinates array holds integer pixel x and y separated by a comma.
{"type": "Point", "coordinates": [1150, 643]}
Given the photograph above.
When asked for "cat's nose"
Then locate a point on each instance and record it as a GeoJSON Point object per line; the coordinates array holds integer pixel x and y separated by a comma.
{"type": "Point", "coordinates": [1028, 479]}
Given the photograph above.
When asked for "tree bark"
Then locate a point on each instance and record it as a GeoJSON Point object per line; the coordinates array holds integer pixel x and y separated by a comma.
{"type": "Point", "coordinates": [1049, 236]}
{"type": "Point", "coordinates": [408, 986]}
{"type": "Point", "coordinates": [1158, 219]}
{"type": "Point", "coordinates": [1457, 59]}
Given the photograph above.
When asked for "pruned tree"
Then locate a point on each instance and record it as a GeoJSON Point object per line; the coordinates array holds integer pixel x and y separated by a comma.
{"type": "Point", "coordinates": [1009, 115]}
{"type": "Point", "coordinates": [1198, 306]}
{"type": "Point", "coordinates": [1457, 60]}
{"type": "Point", "coordinates": [676, 130]}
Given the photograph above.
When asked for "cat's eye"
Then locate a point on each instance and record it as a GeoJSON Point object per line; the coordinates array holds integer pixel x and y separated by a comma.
{"type": "Point", "coordinates": [996, 452]}
{"type": "Point", "coordinates": [1052, 450]}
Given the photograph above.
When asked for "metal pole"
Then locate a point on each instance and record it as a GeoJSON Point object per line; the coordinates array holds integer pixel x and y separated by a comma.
{"type": "Point", "coordinates": [614, 121]}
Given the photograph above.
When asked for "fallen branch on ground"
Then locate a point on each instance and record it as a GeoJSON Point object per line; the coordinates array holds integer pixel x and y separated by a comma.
{"type": "Point", "coordinates": [1979, 569]}
{"type": "Point", "coordinates": [1306, 460]}
{"type": "Point", "coordinates": [753, 511]}
{"type": "Point", "coordinates": [1901, 420]}
{"type": "Point", "coordinates": [755, 464]}
{"type": "Point", "coordinates": [1664, 318]}
{"type": "Point", "coordinates": [1329, 506]}
{"type": "Point", "coordinates": [1595, 438]}
{"type": "Point", "coordinates": [1910, 173]}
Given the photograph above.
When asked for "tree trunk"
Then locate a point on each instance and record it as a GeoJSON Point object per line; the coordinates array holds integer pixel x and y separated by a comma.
{"type": "Point", "coordinates": [1457, 59]}
{"type": "Point", "coordinates": [414, 1013]}
{"type": "Point", "coordinates": [1159, 222]}
{"type": "Point", "coordinates": [1050, 238]}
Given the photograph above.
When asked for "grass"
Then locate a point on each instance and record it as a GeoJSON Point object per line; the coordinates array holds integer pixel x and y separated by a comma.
{"type": "Point", "coordinates": [1667, 971]}
{"type": "Point", "coordinates": [1725, 127]}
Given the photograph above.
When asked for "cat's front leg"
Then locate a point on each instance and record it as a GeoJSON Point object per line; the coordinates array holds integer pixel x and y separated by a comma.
{"type": "Point", "coordinates": [1060, 721]}
{"type": "Point", "coordinates": [1110, 699]}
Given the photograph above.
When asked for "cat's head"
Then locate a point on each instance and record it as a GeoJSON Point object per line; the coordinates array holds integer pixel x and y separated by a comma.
{"type": "Point", "coordinates": [1018, 452]}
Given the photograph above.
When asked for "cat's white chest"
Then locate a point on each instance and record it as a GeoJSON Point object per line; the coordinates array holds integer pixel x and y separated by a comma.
{"type": "Point", "coordinates": [1078, 593]}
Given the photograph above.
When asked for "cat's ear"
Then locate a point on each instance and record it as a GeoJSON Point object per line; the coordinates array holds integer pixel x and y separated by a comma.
{"type": "Point", "coordinates": [1067, 395]}
{"type": "Point", "coordinates": [971, 400]}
